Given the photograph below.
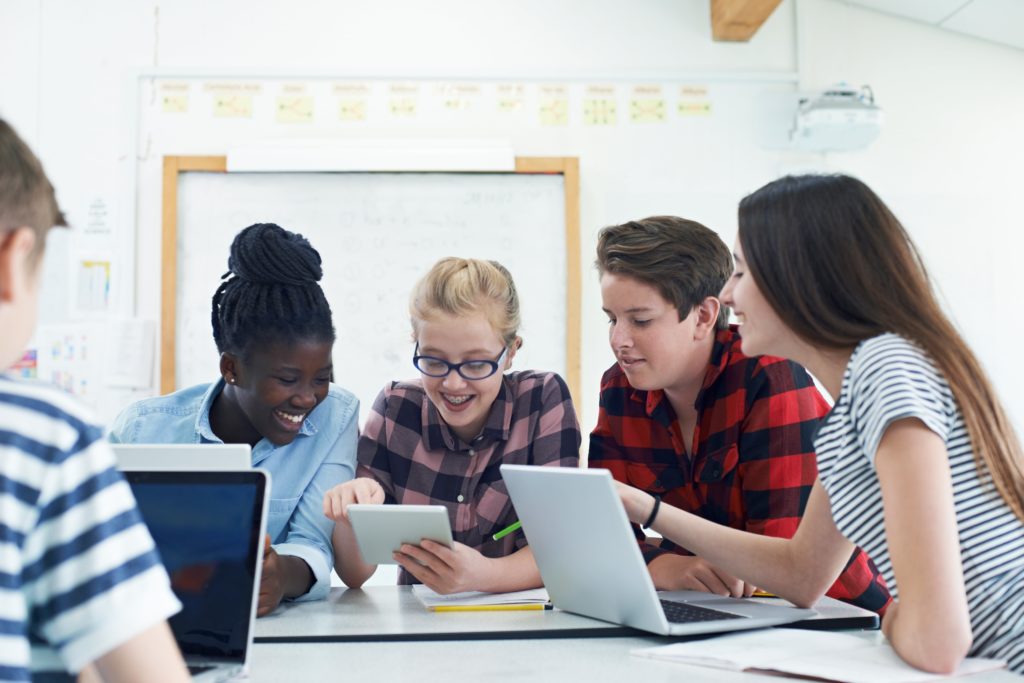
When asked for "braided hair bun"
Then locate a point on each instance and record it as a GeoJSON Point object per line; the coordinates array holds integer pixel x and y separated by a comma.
{"type": "Point", "coordinates": [270, 292]}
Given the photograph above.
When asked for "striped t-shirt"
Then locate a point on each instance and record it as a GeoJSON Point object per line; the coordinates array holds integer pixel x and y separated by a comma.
{"type": "Point", "coordinates": [78, 569]}
{"type": "Point", "coordinates": [887, 379]}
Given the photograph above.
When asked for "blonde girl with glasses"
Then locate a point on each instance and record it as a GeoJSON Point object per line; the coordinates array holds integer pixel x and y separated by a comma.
{"type": "Point", "coordinates": [440, 438]}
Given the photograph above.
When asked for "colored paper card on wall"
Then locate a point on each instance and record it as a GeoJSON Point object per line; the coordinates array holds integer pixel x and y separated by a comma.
{"type": "Point", "coordinates": [352, 109]}
{"type": "Point", "coordinates": [554, 105]}
{"type": "Point", "coordinates": [232, 106]}
{"type": "Point", "coordinates": [292, 109]}
{"type": "Point", "coordinates": [294, 104]}
{"type": "Point", "coordinates": [694, 101]}
{"type": "Point", "coordinates": [175, 104]}
{"type": "Point", "coordinates": [403, 100]}
{"type": "Point", "coordinates": [174, 97]}
{"type": "Point", "coordinates": [233, 100]}
{"type": "Point", "coordinates": [599, 105]}
{"type": "Point", "coordinates": [353, 100]}
{"type": "Point", "coordinates": [511, 97]}
{"type": "Point", "coordinates": [93, 286]}
{"type": "Point", "coordinates": [457, 96]}
{"type": "Point", "coordinates": [647, 104]}
{"type": "Point", "coordinates": [27, 366]}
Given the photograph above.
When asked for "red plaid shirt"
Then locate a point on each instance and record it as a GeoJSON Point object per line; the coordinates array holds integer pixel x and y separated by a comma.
{"type": "Point", "coordinates": [753, 461]}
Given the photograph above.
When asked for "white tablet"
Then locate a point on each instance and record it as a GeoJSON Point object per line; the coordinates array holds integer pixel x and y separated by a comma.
{"type": "Point", "coordinates": [382, 529]}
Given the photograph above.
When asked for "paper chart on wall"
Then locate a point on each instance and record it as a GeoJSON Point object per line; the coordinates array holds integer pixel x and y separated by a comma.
{"type": "Point", "coordinates": [93, 286]}
{"type": "Point", "coordinates": [290, 101]}
{"type": "Point", "coordinates": [174, 97]}
{"type": "Point", "coordinates": [599, 105]}
{"type": "Point", "coordinates": [647, 104]}
{"type": "Point", "coordinates": [68, 357]}
{"type": "Point", "coordinates": [294, 104]}
{"type": "Point", "coordinates": [554, 105]}
{"type": "Point", "coordinates": [129, 353]}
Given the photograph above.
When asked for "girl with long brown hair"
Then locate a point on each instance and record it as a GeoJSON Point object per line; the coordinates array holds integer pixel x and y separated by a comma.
{"type": "Point", "coordinates": [918, 462]}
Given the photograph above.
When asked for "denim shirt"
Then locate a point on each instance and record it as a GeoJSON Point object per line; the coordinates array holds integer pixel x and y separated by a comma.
{"type": "Point", "coordinates": [322, 455]}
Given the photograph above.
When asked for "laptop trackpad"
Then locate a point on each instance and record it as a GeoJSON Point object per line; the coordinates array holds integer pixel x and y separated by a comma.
{"type": "Point", "coordinates": [740, 606]}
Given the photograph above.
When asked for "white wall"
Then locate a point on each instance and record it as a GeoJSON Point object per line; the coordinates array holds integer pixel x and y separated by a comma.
{"type": "Point", "coordinates": [947, 159]}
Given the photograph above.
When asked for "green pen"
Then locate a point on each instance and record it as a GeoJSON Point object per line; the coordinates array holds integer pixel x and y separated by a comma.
{"type": "Point", "coordinates": [506, 531]}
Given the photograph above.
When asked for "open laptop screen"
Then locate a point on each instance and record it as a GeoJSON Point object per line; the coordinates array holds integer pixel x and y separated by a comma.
{"type": "Point", "coordinates": [206, 526]}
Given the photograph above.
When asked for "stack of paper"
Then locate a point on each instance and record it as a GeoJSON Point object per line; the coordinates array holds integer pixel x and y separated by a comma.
{"type": "Point", "coordinates": [815, 654]}
{"type": "Point", "coordinates": [536, 598]}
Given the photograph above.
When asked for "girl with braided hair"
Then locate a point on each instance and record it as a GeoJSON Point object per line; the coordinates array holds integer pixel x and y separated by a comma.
{"type": "Point", "coordinates": [272, 325]}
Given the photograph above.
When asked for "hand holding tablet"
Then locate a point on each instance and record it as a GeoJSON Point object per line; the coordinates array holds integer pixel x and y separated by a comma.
{"type": "Point", "coordinates": [382, 529]}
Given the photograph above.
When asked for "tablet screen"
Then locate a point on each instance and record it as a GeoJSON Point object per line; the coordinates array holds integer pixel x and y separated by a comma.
{"type": "Point", "coordinates": [382, 529]}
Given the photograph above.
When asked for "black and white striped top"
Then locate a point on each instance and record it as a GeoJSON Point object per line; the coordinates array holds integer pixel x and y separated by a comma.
{"type": "Point", "coordinates": [889, 378]}
{"type": "Point", "coordinates": [79, 573]}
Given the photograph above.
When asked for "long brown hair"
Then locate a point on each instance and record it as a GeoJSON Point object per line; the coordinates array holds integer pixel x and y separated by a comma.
{"type": "Point", "coordinates": [838, 267]}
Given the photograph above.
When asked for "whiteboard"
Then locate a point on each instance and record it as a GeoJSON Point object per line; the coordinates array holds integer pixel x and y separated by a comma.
{"type": "Point", "coordinates": [377, 234]}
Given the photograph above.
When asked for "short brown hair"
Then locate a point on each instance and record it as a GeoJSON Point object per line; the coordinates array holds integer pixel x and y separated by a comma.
{"type": "Point", "coordinates": [684, 260]}
{"type": "Point", "coordinates": [26, 195]}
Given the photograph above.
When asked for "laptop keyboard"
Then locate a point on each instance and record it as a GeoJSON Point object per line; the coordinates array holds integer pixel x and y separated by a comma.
{"type": "Point", "coordinates": [196, 669]}
{"type": "Point", "coordinates": [684, 613]}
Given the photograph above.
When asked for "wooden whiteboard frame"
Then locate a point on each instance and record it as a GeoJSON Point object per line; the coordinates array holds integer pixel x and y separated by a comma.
{"type": "Point", "coordinates": [174, 166]}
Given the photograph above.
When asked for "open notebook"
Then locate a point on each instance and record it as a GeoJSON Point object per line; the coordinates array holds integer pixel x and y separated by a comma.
{"type": "Point", "coordinates": [537, 597]}
{"type": "Point", "coordinates": [818, 655]}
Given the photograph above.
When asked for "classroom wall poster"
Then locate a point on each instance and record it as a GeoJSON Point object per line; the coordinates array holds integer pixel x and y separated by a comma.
{"type": "Point", "coordinates": [599, 105]}
{"type": "Point", "coordinates": [294, 104]}
{"type": "Point", "coordinates": [353, 101]}
{"type": "Point", "coordinates": [26, 367]}
{"type": "Point", "coordinates": [647, 104]}
{"type": "Point", "coordinates": [93, 286]}
{"type": "Point", "coordinates": [291, 100]}
{"type": "Point", "coordinates": [66, 357]}
{"type": "Point", "coordinates": [174, 97]}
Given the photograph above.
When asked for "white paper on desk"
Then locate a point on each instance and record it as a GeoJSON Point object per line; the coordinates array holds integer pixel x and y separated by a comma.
{"type": "Point", "coordinates": [431, 599]}
{"type": "Point", "coordinates": [828, 656]}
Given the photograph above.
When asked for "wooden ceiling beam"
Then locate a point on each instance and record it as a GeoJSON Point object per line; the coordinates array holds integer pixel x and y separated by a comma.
{"type": "Point", "coordinates": [738, 20]}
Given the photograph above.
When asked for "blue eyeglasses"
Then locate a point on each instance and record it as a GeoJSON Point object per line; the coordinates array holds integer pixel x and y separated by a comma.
{"type": "Point", "coordinates": [432, 366]}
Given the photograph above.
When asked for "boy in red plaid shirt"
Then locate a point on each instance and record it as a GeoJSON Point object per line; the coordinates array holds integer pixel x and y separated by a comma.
{"type": "Point", "coordinates": [685, 416]}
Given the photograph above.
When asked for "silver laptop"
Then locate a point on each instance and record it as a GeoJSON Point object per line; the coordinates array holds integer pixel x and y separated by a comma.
{"type": "Point", "coordinates": [208, 528]}
{"type": "Point", "coordinates": [187, 457]}
{"type": "Point", "coordinates": [591, 563]}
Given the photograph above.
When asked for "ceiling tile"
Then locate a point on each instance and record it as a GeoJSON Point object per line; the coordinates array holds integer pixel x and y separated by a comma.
{"type": "Point", "coordinates": [928, 11]}
{"type": "Point", "coordinates": [1001, 21]}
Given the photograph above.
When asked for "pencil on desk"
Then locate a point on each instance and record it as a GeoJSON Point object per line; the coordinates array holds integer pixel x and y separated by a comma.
{"type": "Point", "coordinates": [537, 606]}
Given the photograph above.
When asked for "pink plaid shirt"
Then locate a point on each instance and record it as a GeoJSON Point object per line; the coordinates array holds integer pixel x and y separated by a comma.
{"type": "Point", "coordinates": [418, 460]}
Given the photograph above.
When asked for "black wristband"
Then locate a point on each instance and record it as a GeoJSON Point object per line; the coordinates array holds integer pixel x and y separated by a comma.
{"type": "Point", "coordinates": [654, 511]}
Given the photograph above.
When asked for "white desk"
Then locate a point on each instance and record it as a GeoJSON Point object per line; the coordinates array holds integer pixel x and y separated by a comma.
{"type": "Point", "coordinates": [393, 613]}
{"type": "Point", "coordinates": [410, 650]}
{"type": "Point", "coordinates": [535, 661]}
{"type": "Point", "coordinates": [593, 660]}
